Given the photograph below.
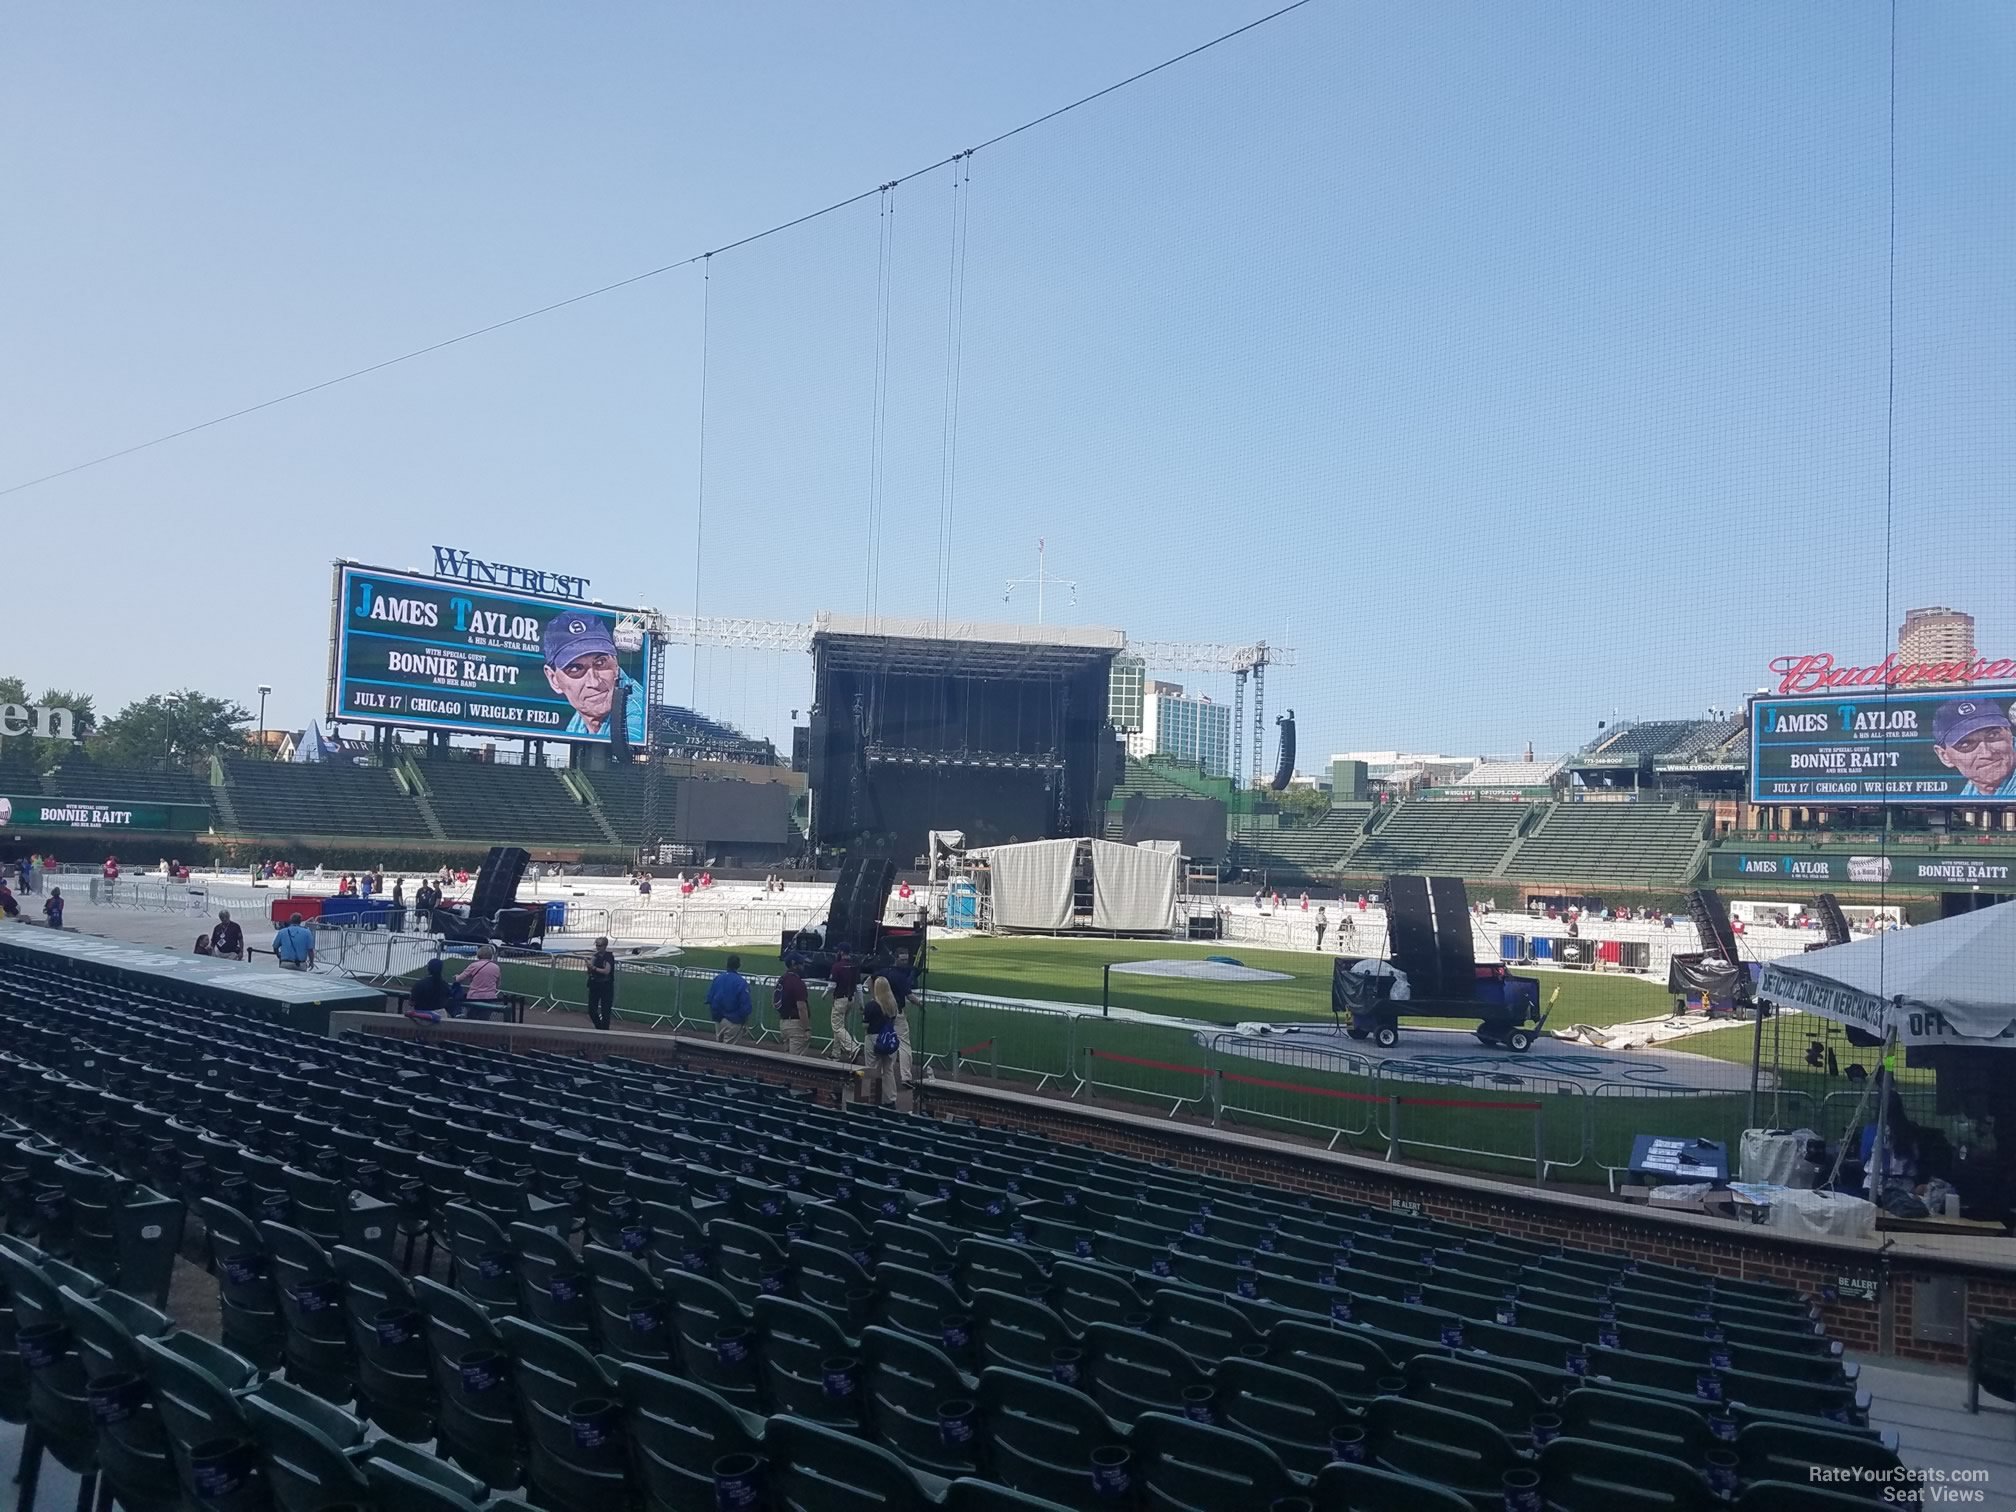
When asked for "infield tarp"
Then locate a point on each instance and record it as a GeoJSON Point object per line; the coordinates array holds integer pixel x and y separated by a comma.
{"type": "Point", "coordinates": [1133, 890]}
{"type": "Point", "coordinates": [1032, 884]}
{"type": "Point", "coordinates": [1935, 984]}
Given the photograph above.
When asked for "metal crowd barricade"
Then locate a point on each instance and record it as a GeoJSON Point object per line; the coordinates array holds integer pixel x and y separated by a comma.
{"type": "Point", "coordinates": [1098, 1066]}
{"type": "Point", "coordinates": [1245, 1094]}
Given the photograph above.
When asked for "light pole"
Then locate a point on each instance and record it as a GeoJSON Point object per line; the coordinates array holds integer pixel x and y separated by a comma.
{"type": "Point", "coordinates": [263, 691]}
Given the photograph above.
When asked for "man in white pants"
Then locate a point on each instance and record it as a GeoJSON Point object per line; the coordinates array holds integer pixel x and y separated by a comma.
{"type": "Point", "coordinates": [846, 979]}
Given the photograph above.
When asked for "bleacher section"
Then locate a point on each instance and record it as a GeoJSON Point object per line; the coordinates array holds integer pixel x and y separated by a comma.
{"type": "Point", "coordinates": [283, 798]}
{"type": "Point", "coordinates": [81, 779]}
{"type": "Point", "coordinates": [809, 1308]}
{"type": "Point", "coordinates": [1159, 777]}
{"type": "Point", "coordinates": [1309, 852]}
{"type": "Point", "coordinates": [1446, 839]}
{"type": "Point", "coordinates": [1621, 843]}
{"type": "Point", "coordinates": [508, 805]}
{"type": "Point", "coordinates": [620, 791]}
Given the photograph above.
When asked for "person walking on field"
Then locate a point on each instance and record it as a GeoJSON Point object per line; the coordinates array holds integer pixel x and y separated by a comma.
{"type": "Point", "coordinates": [601, 983]}
{"type": "Point", "coordinates": [729, 1006]}
{"type": "Point", "coordinates": [1322, 923]}
{"type": "Point", "coordinates": [846, 980]}
{"type": "Point", "coordinates": [794, 1012]}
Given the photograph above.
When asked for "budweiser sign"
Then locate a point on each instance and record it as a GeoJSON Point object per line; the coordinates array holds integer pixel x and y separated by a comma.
{"type": "Point", "coordinates": [1818, 674]}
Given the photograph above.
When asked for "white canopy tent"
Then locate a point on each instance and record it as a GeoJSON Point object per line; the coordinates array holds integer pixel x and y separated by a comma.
{"type": "Point", "coordinates": [1933, 985]}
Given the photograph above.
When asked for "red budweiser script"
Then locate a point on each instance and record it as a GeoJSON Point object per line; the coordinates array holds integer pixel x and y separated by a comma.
{"type": "Point", "coordinates": [1817, 673]}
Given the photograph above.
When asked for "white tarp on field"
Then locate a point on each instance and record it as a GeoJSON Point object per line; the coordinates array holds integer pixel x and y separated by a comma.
{"type": "Point", "coordinates": [1133, 890]}
{"type": "Point", "coordinates": [1032, 884]}
{"type": "Point", "coordinates": [1206, 970]}
{"type": "Point", "coordinates": [1935, 984]}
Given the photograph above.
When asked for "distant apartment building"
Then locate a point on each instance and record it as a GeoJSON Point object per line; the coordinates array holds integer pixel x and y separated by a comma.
{"type": "Point", "coordinates": [1186, 727]}
{"type": "Point", "coordinates": [1936, 634]}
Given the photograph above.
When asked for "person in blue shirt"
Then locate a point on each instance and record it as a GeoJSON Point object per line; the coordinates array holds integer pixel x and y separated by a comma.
{"type": "Point", "coordinates": [52, 910]}
{"type": "Point", "coordinates": [902, 982]}
{"type": "Point", "coordinates": [729, 1005]}
{"type": "Point", "coordinates": [1973, 736]}
{"type": "Point", "coordinates": [295, 945]}
{"type": "Point", "coordinates": [580, 652]}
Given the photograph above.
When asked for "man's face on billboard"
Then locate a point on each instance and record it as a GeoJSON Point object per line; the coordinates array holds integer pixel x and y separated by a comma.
{"type": "Point", "coordinates": [1984, 757]}
{"type": "Point", "coordinates": [588, 683]}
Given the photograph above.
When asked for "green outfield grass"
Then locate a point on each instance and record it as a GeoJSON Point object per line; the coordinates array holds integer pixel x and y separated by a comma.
{"type": "Point", "coordinates": [1163, 1066]}
{"type": "Point", "coordinates": [1070, 971]}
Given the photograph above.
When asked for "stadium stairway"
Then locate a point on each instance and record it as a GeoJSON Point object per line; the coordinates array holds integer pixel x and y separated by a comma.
{"type": "Point", "coordinates": [220, 798]}
{"type": "Point", "coordinates": [583, 789]}
{"type": "Point", "coordinates": [415, 782]}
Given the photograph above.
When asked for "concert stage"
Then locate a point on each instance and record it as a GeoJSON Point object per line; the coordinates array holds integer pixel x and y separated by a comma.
{"type": "Point", "coordinates": [999, 731]}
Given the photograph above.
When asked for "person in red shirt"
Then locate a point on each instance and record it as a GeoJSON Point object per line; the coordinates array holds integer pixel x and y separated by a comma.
{"type": "Point", "coordinates": [111, 869]}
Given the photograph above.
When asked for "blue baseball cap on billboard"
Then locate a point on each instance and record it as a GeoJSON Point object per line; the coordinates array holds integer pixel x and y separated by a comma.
{"type": "Point", "coordinates": [573, 634]}
{"type": "Point", "coordinates": [1960, 717]}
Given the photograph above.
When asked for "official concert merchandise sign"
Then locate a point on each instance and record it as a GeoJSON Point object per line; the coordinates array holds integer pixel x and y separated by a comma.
{"type": "Point", "coordinates": [443, 654]}
{"type": "Point", "coordinates": [1951, 747]}
{"type": "Point", "coordinates": [34, 812]}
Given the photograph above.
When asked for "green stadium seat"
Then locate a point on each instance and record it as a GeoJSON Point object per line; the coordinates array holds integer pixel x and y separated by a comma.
{"type": "Point", "coordinates": [1132, 1372]}
{"type": "Point", "coordinates": [568, 1406]}
{"type": "Point", "coordinates": [1292, 1414]}
{"type": "Point", "coordinates": [478, 1424]}
{"type": "Point", "coordinates": [1449, 1448]}
{"type": "Point", "coordinates": [1582, 1475]}
{"type": "Point", "coordinates": [678, 1431]}
{"type": "Point", "coordinates": [1188, 1466]}
{"type": "Point", "coordinates": [1784, 1452]}
{"type": "Point", "coordinates": [395, 1388]}
{"type": "Point", "coordinates": [818, 1469]}
{"type": "Point", "coordinates": [907, 1382]}
{"type": "Point", "coordinates": [1039, 1436]}
{"type": "Point", "coordinates": [305, 1446]}
{"type": "Point", "coordinates": [1506, 1401]}
{"type": "Point", "coordinates": [1637, 1422]}
{"type": "Point", "coordinates": [1366, 1488]}
{"type": "Point", "coordinates": [553, 1285]}
{"type": "Point", "coordinates": [798, 1344]}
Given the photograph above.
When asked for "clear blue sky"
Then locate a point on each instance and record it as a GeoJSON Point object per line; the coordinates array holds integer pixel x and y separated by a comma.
{"type": "Point", "coordinates": [1519, 363]}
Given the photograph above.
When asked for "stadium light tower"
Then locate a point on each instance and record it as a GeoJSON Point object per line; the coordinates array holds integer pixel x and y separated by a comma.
{"type": "Point", "coordinates": [263, 691]}
{"type": "Point", "coordinates": [1041, 578]}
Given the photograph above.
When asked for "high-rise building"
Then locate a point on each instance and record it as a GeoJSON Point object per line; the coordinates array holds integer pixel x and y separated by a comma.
{"type": "Point", "coordinates": [1188, 727]}
{"type": "Point", "coordinates": [1125, 690]}
{"type": "Point", "coordinates": [1936, 634]}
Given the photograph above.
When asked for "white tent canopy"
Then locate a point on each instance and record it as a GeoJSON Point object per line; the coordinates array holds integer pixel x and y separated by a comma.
{"type": "Point", "coordinates": [1933, 985]}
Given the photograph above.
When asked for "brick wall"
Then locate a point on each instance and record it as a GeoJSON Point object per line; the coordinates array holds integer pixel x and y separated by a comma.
{"type": "Point", "coordinates": [1730, 1250]}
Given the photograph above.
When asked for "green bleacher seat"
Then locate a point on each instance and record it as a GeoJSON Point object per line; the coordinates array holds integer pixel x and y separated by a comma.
{"type": "Point", "coordinates": [1624, 844]}
{"type": "Point", "coordinates": [508, 804]}
{"type": "Point", "coordinates": [1442, 839]}
{"type": "Point", "coordinates": [321, 798]}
